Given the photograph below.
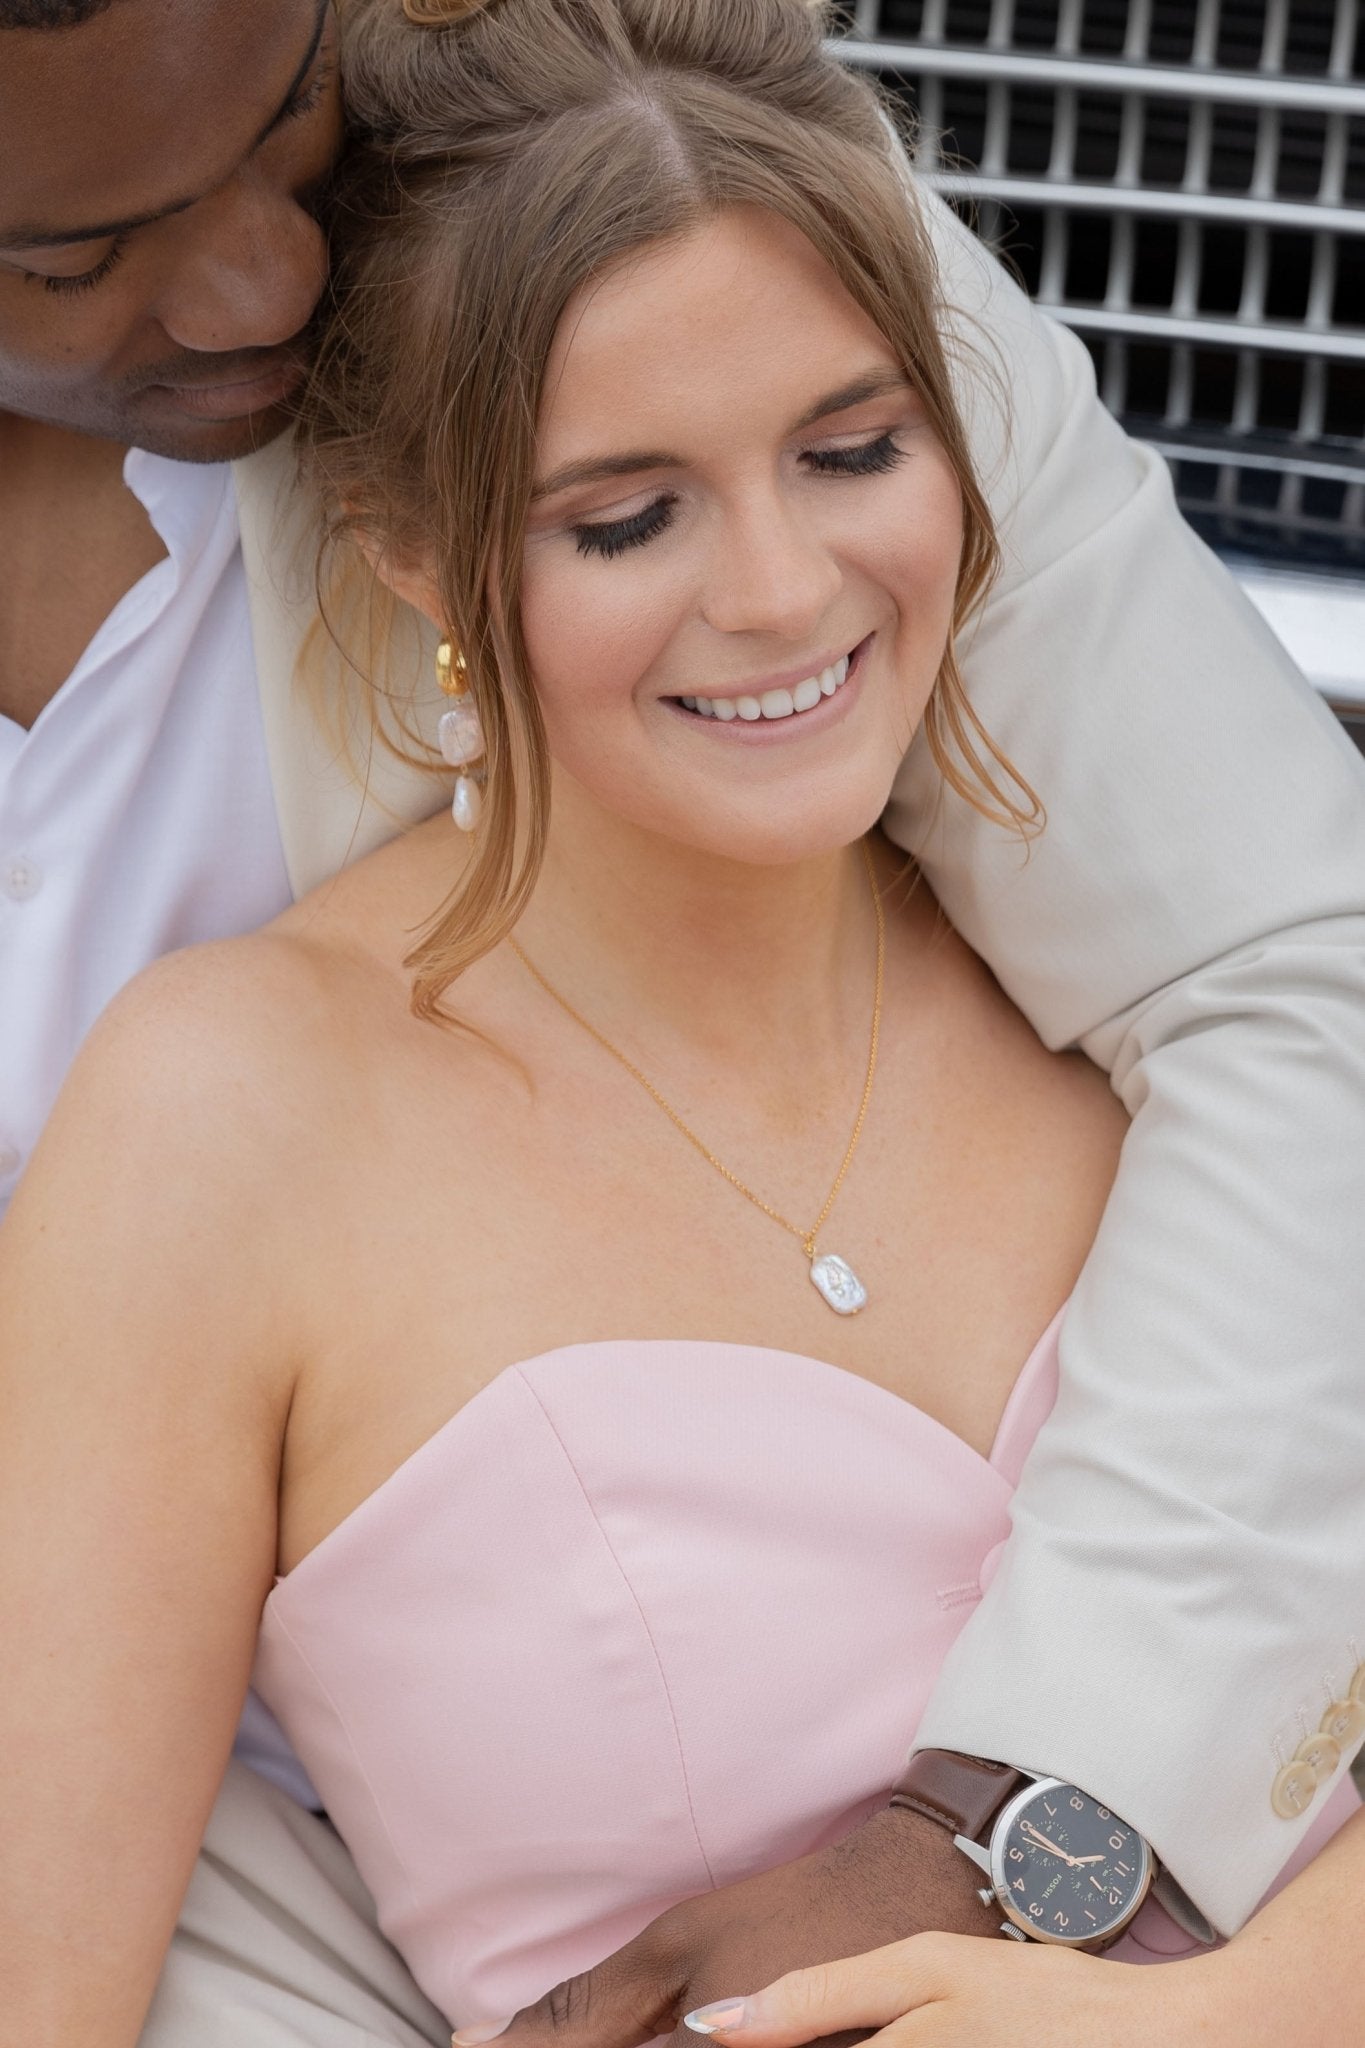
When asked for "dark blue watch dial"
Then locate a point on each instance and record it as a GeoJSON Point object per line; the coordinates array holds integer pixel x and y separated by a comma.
{"type": "Point", "coordinates": [1070, 1869]}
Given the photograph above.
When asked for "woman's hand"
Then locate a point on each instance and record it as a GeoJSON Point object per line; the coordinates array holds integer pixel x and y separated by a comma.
{"type": "Point", "coordinates": [955, 1991]}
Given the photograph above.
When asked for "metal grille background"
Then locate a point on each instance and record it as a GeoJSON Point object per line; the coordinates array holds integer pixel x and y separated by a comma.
{"type": "Point", "coordinates": [1182, 182]}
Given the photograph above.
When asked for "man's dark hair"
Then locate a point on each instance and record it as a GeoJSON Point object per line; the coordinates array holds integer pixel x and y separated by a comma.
{"type": "Point", "coordinates": [49, 13]}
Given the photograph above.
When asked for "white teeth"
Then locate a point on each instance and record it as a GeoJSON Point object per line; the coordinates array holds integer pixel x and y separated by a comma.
{"type": "Point", "coordinates": [774, 703]}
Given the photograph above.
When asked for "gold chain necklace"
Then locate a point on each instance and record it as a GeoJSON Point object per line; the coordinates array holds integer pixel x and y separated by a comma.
{"type": "Point", "coordinates": [834, 1277]}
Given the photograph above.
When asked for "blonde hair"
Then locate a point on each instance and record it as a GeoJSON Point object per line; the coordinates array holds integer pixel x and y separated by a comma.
{"type": "Point", "coordinates": [506, 151]}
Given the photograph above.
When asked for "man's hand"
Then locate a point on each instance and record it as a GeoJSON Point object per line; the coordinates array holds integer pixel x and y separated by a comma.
{"type": "Point", "coordinates": [898, 1875]}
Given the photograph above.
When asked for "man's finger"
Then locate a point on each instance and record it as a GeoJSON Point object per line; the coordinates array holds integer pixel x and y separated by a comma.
{"type": "Point", "coordinates": [836, 1998]}
{"type": "Point", "coordinates": [627, 2000]}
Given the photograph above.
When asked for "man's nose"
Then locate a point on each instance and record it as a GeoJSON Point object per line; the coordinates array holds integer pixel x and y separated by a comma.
{"type": "Point", "coordinates": [771, 572]}
{"type": "Point", "coordinates": [250, 275]}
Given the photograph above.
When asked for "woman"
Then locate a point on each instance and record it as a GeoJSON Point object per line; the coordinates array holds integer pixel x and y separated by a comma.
{"type": "Point", "coordinates": [506, 1341]}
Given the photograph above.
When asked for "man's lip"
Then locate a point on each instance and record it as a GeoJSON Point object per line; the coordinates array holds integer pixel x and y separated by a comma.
{"type": "Point", "coordinates": [235, 398]}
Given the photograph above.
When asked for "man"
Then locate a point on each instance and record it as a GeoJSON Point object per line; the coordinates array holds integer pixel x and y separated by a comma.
{"type": "Point", "coordinates": [1170, 1623]}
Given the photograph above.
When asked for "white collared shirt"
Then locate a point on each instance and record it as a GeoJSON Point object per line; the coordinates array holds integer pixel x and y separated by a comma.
{"type": "Point", "coordinates": [137, 816]}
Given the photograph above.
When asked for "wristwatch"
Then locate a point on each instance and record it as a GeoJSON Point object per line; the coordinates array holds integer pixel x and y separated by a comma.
{"type": "Point", "coordinates": [1061, 1867]}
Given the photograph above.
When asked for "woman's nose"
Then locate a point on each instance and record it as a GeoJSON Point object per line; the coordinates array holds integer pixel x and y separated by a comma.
{"type": "Point", "coordinates": [770, 573]}
{"type": "Point", "coordinates": [250, 277]}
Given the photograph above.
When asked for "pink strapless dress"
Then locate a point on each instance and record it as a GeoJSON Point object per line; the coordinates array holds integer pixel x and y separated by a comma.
{"type": "Point", "coordinates": [642, 1619]}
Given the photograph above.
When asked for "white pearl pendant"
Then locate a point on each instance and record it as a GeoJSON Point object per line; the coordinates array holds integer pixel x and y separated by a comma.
{"type": "Point", "coordinates": [460, 735]}
{"type": "Point", "coordinates": [839, 1284]}
{"type": "Point", "coordinates": [467, 808]}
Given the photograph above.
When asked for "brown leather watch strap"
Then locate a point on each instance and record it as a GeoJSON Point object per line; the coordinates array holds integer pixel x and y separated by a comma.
{"type": "Point", "coordinates": [963, 1793]}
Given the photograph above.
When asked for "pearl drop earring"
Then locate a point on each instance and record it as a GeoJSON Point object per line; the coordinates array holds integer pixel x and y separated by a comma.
{"type": "Point", "coordinates": [460, 736]}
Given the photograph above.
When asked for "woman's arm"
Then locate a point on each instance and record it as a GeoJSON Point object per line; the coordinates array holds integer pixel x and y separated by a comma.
{"type": "Point", "coordinates": [1294, 1978]}
{"type": "Point", "coordinates": [140, 1329]}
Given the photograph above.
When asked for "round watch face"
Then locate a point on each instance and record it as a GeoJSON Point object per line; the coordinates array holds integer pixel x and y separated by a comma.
{"type": "Point", "coordinates": [1065, 1868]}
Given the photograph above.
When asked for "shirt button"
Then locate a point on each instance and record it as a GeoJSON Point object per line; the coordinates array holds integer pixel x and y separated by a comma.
{"type": "Point", "coordinates": [1294, 1790]}
{"type": "Point", "coordinates": [19, 878]}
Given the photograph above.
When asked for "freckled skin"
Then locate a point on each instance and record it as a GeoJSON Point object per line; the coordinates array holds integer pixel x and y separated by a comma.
{"type": "Point", "coordinates": [139, 108]}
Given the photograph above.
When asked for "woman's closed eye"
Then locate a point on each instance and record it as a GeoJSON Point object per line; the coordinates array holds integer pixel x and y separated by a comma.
{"type": "Point", "coordinates": [610, 538]}
{"type": "Point", "coordinates": [866, 458]}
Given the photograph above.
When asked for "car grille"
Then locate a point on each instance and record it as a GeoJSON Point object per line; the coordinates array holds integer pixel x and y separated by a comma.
{"type": "Point", "coordinates": [1183, 183]}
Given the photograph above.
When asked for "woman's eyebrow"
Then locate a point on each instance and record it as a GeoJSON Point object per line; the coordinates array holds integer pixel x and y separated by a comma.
{"type": "Point", "coordinates": [874, 384]}
{"type": "Point", "coordinates": [594, 468]}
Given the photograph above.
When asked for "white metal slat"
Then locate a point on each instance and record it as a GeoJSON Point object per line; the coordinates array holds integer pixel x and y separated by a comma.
{"type": "Point", "coordinates": [1000, 34]}
{"type": "Point", "coordinates": [1205, 51]}
{"type": "Point", "coordinates": [1069, 21]}
{"type": "Point", "coordinates": [1114, 377]}
{"type": "Point", "coordinates": [934, 28]}
{"type": "Point", "coordinates": [1343, 40]}
{"type": "Point", "coordinates": [1103, 74]}
{"type": "Point", "coordinates": [929, 134]}
{"type": "Point", "coordinates": [1275, 36]}
{"type": "Point", "coordinates": [1137, 40]}
{"type": "Point", "coordinates": [1332, 183]}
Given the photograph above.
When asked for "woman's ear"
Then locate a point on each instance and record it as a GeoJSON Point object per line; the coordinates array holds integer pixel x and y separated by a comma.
{"type": "Point", "coordinates": [415, 586]}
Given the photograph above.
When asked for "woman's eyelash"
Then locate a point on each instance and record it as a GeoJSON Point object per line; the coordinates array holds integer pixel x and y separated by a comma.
{"type": "Point", "coordinates": [88, 279]}
{"type": "Point", "coordinates": [616, 535]}
{"type": "Point", "coordinates": [873, 458]}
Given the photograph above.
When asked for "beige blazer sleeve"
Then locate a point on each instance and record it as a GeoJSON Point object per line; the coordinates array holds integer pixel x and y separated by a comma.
{"type": "Point", "coordinates": [340, 792]}
{"type": "Point", "coordinates": [1183, 1593]}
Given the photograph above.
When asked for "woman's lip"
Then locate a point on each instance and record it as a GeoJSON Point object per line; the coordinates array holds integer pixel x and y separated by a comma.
{"type": "Point", "coordinates": [787, 680]}
{"type": "Point", "coordinates": [236, 400]}
{"type": "Point", "coordinates": [768, 731]}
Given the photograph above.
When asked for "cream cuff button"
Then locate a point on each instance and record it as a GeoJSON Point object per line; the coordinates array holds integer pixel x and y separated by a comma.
{"type": "Point", "coordinates": [1294, 1790]}
{"type": "Point", "coordinates": [1344, 1721]}
{"type": "Point", "coordinates": [1321, 1753]}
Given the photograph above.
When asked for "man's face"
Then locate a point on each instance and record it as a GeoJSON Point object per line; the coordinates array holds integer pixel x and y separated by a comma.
{"type": "Point", "coordinates": [159, 261]}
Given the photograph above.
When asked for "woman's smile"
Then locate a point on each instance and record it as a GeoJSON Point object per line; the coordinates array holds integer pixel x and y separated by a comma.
{"type": "Point", "coordinates": [802, 705]}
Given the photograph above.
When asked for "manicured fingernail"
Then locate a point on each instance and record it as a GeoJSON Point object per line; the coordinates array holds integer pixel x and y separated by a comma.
{"type": "Point", "coordinates": [718, 2019]}
{"type": "Point", "coordinates": [474, 2037]}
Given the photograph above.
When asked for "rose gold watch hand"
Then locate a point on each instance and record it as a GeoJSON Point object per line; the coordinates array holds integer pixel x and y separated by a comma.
{"type": "Point", "coordinates": [1091, 1859]}
{"type": "Point", "coordinates": [1028, 1828]}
